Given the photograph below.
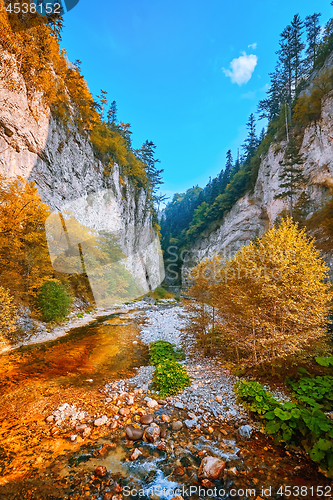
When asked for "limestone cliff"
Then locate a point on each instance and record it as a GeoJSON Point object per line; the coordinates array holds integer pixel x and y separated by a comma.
{"type": "Point", "coordinates": [254, 213]}
{"type": "Point", "coordinates": [62, 163]}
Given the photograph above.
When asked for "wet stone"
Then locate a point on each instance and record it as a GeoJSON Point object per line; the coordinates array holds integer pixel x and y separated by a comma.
{"type": "Point", "coordinates": [146, 419]}
{"type": "Point", "coordinates": [163, 432]}
{"type": "Point", "coordinates": [190, 423]}
{"type": "Point", "coordinates": [87, 432]}
{"type": "Point", "coordinates": [100, 471]}
{"type": "Point", "coordinates": [80, 428]}
{"type": "Point", "coordinates": [101, 421]}
{"type": "Point", "coordinates": [211, 468]}
{"type": "Point", "coordinates": [207, 484]}
{"type": "Point", "coordinates": [179, 405]}
{"type": "Point", "coordinates": [245, 431]}
{"type": "Point", "coordinates": [136, 453]}
{"type": "Point", "coordinates": [152, 433]}
{"type": "Point", "coordinates": [124, 412]}
{"type": "Point", "coordinates": [133, 433]}
{"type": "Point", "coordinates": [103, 452]}
{"type": "Point", "coordinates": [177, 425]}
{"type": "Point", "coordinates": [152, 403]}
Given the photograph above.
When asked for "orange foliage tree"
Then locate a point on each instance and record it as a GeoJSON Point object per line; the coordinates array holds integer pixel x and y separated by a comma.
{"type": "Point", "coordinates": [24, 256]}
{"type": "Point", "coordinates": [7, 316]}
{"type": "Point", "coordinates": [272, 298]}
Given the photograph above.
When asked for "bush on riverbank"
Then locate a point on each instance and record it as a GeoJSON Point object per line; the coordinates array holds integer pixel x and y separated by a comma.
{"type": "Point", "coordinates": [161, 350]}
{"type": "Point", "coordinates": [160, 293]}
{"type": "Point", "coordinates": [300, 423]}
{"type": "Point", "coordinates": [170, 378]}
{"type": "Point", "coordinates": [54, 301]}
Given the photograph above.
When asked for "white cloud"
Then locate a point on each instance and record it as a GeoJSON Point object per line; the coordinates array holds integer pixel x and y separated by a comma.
{"type": "Point", "coordinates": [241, 68]}
{"type": "Point", "coordinates": [252, 46]}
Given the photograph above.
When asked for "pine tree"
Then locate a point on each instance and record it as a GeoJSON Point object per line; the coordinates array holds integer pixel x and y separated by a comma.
{"type": "Point", "coordinates": [270, 107]}
{"type": "Point", "coordinates": [286, 60]}
{"type": "Point", "coordinates": [298, 46]}
{"type": "Point", "coordinates": [237, 163]}
{"type": "Point", "coordinates": [251, 142]}
{"type": "Point", "coordinates": [103, 100]}
{"type": "Point", "coordinates": [154, 175]}
{"type": "Point", "coordinates": [292, 177]}
{"type": "Point", "coordinates": [227, 171]}
{"type": "Point", "coordinates": [112, 113]}
{"type": "Point", "coordinates": [262, 135]}
{"type": "Point", "coordinates": [313, 31]}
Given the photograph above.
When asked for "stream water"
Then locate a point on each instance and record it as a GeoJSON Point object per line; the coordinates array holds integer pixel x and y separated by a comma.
{"type": "Point", "coordinates": [38, 465]}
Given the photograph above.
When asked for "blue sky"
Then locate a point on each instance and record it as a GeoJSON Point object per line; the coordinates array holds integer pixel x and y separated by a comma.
{"type": "Point", "coordinates": [168, 65]}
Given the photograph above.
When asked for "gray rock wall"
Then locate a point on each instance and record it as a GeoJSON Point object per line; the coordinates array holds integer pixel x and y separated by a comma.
{"type": "Point", "coordinates": [64, 168]}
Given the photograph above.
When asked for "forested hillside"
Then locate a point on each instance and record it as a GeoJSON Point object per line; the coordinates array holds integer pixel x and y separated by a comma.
{"type": "Point", "coordinates": [303, 76]}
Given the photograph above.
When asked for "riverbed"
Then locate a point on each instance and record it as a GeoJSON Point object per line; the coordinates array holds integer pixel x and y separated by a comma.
{"type": "Point", "coordinates": [54, 393]}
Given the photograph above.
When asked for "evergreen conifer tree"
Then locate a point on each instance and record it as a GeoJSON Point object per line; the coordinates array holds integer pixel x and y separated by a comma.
{"type": "Point", "coordinates": [313, 31]}
{"type": "Point", "coordinates": [154, 175]}
{"type": "Point", "coordinates": [298, 46]}
{"type": "Point", "coordinates": [227, 171]}
{"type": "Point", "coordinates": [251, 141]}
{"type": "Point", "coordinates": [112, 113]}
{"type": "Point", "coordinates": [292, 177]}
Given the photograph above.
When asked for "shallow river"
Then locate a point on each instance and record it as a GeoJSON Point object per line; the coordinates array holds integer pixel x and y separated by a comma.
{"type": "Point", "coordinates": [36, 465]}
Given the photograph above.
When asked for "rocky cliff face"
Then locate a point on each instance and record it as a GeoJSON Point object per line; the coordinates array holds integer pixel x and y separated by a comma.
{"type": "Point", "coordinates": [253, 214]}
{"type": "Point", "coordinates": [69, 177]}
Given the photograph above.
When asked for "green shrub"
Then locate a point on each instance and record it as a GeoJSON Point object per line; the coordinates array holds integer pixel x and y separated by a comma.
{"type": "Point", "coordinates": [80, 315]}
{"type": "Point", "coordinates": [160, 293]}
{"type": "Point", "coordinates": [291, 423]}
{"type": "Point", "coordinates": [325, 361]}
{"type": "Point", "coordinates": [161, 350]}
{"type": "Point", "coordinates": [314, 391]}
{"type": "Point", "coordinates": [54, 301]}
{"type": "Point", "coordinates": [170, 377]}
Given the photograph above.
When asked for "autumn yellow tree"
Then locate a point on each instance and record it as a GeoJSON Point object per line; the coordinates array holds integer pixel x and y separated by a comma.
{"type": "Point", "coordinates": [7, 315]}
{"type": "Point", "coordinates": [272, 297]}
{"type": "Point", "coordinates": [24, 257]}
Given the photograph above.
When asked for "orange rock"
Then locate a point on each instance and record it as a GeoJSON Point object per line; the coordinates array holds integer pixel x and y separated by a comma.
{"type": "Point", "coordinates": [211, 468]}
{"type": "Point", "coordinates": [207, 484]}
{"type": "Point", "coordinates": [103, 452]}
{"type": "Point", "coordinates": [100, 471]}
